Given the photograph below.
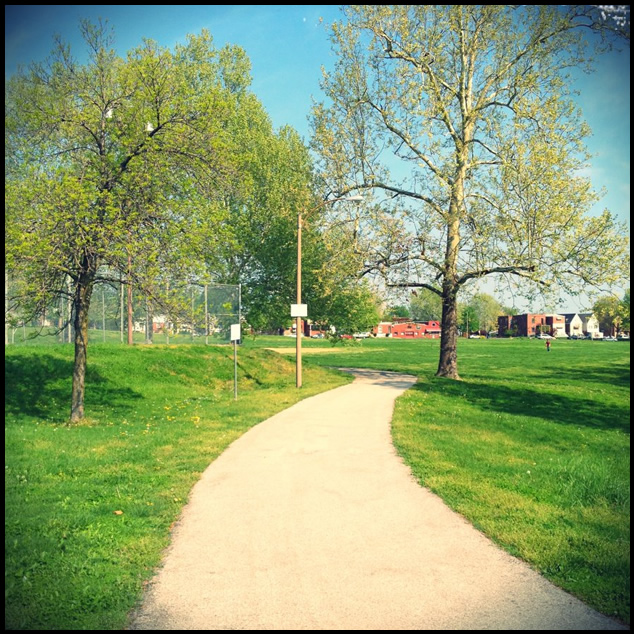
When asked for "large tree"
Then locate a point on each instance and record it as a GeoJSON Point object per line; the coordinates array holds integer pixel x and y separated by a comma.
{"type": "Point", "coordinates": [459, 119]}
{"type": "Point", "coordinates": [274, 184]}
{"type": "Point", "coordinates": [114, 165]}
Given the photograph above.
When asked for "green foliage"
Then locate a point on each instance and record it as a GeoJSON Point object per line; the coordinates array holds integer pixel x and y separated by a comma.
{"type": "Point", "coordinates": [625, 310]}
{"type": "Point", "coordinates": [469, 321]}
{"type": "Point", "coordinates": [350, 309]}
{"type": "Point", "coordinates": [480, 312]}
{"type": "Point", "coordinates": [114, 159]}
{"type": "Point", "coordinates": [425, 305]}
{"type": "Point", "coordinates": [396, 312]}
{"type": "Point", "coordinates": [613, 314]}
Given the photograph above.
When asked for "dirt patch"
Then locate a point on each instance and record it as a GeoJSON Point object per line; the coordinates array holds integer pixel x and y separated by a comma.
{"type": "Point", "coordinates": [291, 351]}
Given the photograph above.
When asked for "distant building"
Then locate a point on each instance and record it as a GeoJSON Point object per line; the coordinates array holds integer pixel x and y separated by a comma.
{"type": "Point", "coordinates": [557, 324]}
{"type": "Point", "coordinates": [531, 324]}
{"type": "Point", "coordinates": [574, 325]}
{"type": "Point", "coordinates": [590, 325]}
{"type": "Point", "coordinates": [384, 329]}
{"type": "Point", "coordinates": [416, 330]}
{"type": "Point", "coordinates": [526, 325]}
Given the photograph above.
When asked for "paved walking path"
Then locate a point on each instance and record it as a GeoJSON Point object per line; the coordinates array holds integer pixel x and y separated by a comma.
{"type": "Point", "coordinates": [311, 521]}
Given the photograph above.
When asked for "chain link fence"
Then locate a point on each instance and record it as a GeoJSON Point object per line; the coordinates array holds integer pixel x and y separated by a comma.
{"type": "Point", "coordinates": [190, 313]}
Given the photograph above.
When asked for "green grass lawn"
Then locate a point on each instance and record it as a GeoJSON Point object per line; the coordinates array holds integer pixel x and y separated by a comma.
{"type": "Point", "coordinates": [531, 447]}
{"type": "Point", "coordinates": [88, 508]}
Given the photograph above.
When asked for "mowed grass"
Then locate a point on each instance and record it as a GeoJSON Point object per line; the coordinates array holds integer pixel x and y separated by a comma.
{"type": "Point", "coordinates": [532, 447]}
{"type": "Point", "coordinates": [88, 508]}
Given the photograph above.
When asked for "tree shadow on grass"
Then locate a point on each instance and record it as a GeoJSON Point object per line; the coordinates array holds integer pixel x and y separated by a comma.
{"type": "Point", "coordinates": [617, 374]}
{"type": "Point", "coordinates": [524, 401]}
{"type": "Point", "coordinates": [40, 387]}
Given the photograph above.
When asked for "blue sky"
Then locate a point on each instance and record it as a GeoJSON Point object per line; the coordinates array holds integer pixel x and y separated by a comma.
{"type": "Point", "coordinates": [287, 46]}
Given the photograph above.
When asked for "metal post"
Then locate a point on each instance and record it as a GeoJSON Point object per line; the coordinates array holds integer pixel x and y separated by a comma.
{"type": "Point", "coordinates": [298, 327]}
{"type": "Point", "coordinates": [235, 370]}
{"type": "Point", "coordinates": [103, 313]}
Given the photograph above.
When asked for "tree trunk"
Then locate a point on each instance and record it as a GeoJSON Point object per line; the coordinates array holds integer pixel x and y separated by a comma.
{"type": "Point", "coordinates": [81, 305]}
{"type": "Point", "coordinates": [448, 363]}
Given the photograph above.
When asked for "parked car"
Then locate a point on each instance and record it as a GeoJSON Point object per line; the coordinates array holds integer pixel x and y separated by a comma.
{"type": "Point", "coordinates": [361, 335]}
{"type": "Point", "coordinates": [543, 335]}
{"type": "Point", "coordinates": [610, 338]}
{"type": "Point", "coordinates": [623, 337]}
{"type": "Point", "coordinates": [474, 336]}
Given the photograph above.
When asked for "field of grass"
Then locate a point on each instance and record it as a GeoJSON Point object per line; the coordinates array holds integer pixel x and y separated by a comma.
{"type": "Point", "coordinates": [88, 508]}
{"type": "Point", "coordinates": [531, 447]}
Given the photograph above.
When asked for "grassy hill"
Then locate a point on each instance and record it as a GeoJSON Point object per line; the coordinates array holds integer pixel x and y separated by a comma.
{"type": "Point", "coordinates": [88, 508]}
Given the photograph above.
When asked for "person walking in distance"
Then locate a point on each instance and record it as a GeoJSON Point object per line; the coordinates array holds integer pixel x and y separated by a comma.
{"type": "Point", "coordinates": [547, 345]}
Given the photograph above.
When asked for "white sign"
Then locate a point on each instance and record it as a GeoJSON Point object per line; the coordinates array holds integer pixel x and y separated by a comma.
{"type": "Point", "coordinates": [299, 310]}
{"type": "Point", "coordinates": [235, 332]}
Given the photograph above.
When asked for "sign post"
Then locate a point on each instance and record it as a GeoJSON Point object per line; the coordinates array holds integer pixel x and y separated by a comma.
{"type": "Point", "coordinates": [298, 311]}
{"type": "Point", "coordinates": [235, 337]}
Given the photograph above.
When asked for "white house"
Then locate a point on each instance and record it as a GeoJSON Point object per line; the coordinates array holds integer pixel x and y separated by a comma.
{"type": "Point", "coordinates": [574, 325]}
{"type": "Point", "coordinates": [591, 325]}
{"type": "Point", "coordinates": [580, 324]}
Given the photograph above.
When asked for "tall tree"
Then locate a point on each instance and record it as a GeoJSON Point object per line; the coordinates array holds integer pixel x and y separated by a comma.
{"type": "Point", "coordinates": [459, 118]}
{"type": "Point", "coordinates": [113, 160]}
{"type": "Point", "coordinates": [274, 184]}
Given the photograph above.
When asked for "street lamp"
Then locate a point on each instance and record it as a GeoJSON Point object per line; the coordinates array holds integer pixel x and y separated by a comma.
{"type": "Point", "coordinates": [298, 326]}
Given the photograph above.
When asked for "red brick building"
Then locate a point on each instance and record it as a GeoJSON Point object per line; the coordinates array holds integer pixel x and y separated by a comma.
{"type": "Point", "coordinates": [416, 330]}
{"type": "Point", "coordinates": [521, 325]}
{"type": "Point", "coordinates": [531, 324]}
